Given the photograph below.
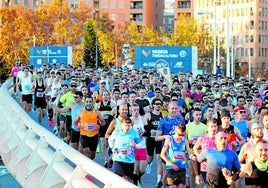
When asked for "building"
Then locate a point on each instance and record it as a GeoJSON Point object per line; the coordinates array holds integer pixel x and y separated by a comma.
{"type": "Point", "coordinates": [142, 12]}
{"type": "Point", "coordinates": [247, 35]}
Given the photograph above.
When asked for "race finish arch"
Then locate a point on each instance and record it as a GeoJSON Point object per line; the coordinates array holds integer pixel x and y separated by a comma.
{"type": "Point", "coordinates": [50, 55]}
{"type": "Point", "coordinates": [177, 58]}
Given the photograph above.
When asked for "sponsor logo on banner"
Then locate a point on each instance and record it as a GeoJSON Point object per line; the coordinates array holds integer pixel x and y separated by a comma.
{"type": "Point", "coordinates": [163, 68]}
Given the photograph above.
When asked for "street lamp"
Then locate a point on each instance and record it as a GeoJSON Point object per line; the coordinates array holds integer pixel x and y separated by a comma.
{"type": "Point", "coordinates": [96, 16]}
{"type": "Point", "coordinates": [214, 36]}
{"type": "Point", "coordinates": [249, 63]}
{"type": "Point", "coordinates": [219, 55]}
{"type": "Point", "coordinates": [228, 41]}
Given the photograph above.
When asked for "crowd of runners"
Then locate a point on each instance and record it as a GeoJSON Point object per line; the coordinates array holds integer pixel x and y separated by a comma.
{"type": "Point", "coordinates": [203, 130]}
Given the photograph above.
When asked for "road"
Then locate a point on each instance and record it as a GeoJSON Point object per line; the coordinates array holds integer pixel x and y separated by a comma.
{"type": "Point", "coordinates": [149, 180]}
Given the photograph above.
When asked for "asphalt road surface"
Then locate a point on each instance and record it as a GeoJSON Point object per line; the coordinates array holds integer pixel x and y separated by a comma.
{"type": "Point", "coordinates": [149, 180]}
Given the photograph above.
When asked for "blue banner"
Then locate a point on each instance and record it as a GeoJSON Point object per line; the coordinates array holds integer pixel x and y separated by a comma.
{"type": "Point", "coordinates": [50, 55]}
{"type": "Point", "coordinates": [178, 57]}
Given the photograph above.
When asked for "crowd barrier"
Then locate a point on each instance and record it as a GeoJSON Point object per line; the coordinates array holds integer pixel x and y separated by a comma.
{"type": "Point", "coordinates": [37, 158]}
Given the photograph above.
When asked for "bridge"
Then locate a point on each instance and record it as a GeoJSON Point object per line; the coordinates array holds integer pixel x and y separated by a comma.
{"type": "Point", "coordinates": [37, 158]}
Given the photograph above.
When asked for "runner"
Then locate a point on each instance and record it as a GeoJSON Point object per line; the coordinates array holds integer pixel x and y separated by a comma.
{"type": "Point", "coordinates": [122, 142]}
{"type": "Point", "coordinates": [152, 145]}
{"type": "Point", "coordinates": [89, 129]}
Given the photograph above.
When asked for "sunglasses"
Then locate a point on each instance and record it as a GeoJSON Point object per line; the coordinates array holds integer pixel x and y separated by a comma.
{"type": "Point", "coordinates": [249, 100]}
{"type": "Point", "coordinates": [174, 100]}
{"type": "Point", "coordinates": [181, 135]}
{"type": "Point", "coordinates": [76, 97]}
{"type": "Point", "coordinates": [242, 111]}
{"type": "Point", "coordinates": [158, 103]}
{"type": "Point", "coordinates": [73, 86]}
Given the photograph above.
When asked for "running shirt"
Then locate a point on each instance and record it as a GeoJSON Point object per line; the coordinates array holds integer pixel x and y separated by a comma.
{"type": "Point", "coordinates": [205, 142]}
{"type": "Point", "coordinates": [105, 110]}
{"type": "Point", "coordinates": [139, 127]}
{"type": "Point", "coordinates": [194, 131]}
{"type": "Point", "coordinates": [231, 137]}
{"type": "Point", "coordinates": [26, 84]}
{"type": "Point", "coordinates": [75, 111]}
{"type": "Point", "coordinates": [153, 124]}
{"type": "Point", "coordinates": [176, 153]}
{"type": "Point", "coordinates": [215, 161]}
{"type": "Point", "coordinates": [15, 71]}
{"type": "Point", "coordinates": [167, 125]}
{"type": "Point", "coordinates": [242, 127]}
{"type": "Point", "coordinates": [39, 90]}
{"type": "Point", "coordinates": [67, 99]}
{"type": "Point", "coordinates": [258, 177]}
{"type": "Point", "coordinates": [120, 141]}
{"type": "Point", "coordinates": [89, 123]}
{"type": "Point", "coordinates": [55, 89]}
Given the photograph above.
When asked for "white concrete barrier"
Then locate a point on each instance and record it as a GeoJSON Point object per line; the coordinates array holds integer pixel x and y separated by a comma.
{"type": "Point", "coordinates": [37, 158]}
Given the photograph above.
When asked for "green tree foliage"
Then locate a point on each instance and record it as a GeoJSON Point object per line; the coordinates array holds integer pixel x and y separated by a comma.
{"type": "Point", "coordinates": [90, 41]}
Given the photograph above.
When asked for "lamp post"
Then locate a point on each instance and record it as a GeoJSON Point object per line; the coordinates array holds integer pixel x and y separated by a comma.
{"type": "Point", "coordinates": [227, 40]}
{"type": "Point", "coordinates": [96, 53]}
{"type": "Point", "coordinates": [249, 63]}
{"type": "Point", "coordinates": [214, 36]}
{"type": "Point", "coordinates": [219, 55]}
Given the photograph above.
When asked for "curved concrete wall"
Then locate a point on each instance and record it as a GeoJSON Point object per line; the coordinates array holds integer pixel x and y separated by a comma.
{"type": "Point", "coordinates": [37, 158]}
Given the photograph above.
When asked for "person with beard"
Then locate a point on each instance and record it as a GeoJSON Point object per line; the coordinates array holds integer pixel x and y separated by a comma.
{"type": "Point", "coordinates": [264, 122]}
{"type": "Point", "coordinates": [216, 91]}
{"type": "Point", "coordinates": [105, 107]}
{"type": "Point", "coordinates": [247, 151]}
{"type": "Point", "coordinates": [223, 164]}
{"type": "Point", "coordinates": [259, 167]}
{"type": "Point", "coordinates": [208, 115]}
{"type": "Point", "coordinates": [153, 118]}
{"type": "Point", "coordinates": [247, 154]}
{"type": "Point", "coordinates": [89, 127]}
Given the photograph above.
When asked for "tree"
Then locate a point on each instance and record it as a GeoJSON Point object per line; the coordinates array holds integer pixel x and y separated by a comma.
{"type": "Point", "coordinates": [90, 44]}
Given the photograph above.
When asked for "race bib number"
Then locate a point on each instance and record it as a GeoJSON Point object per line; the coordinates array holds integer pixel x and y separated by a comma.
{"type": "Point", "coordinates": [39, 94]}
{"type": "Point", "coordinates": [179, 155]}
{"type": "Point", "coordinates": [90, 127]}
{"type": "Point", "coordinates": [123, 152]}
{"type": "Point", "coordinates": [153, 133]}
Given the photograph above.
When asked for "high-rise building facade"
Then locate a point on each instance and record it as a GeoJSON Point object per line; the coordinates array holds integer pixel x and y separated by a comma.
{"type": "Point", "coordinates": [247, 25]}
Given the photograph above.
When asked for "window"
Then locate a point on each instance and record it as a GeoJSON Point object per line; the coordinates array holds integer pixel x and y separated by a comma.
{"type": "Point", "coordinates": [17, 2]}
{"type": "Point", "coordinates": [121, 17]}
{"type": "Point", "coordinates": [121, 5]}
{"type": "Point", "coordinates": [35, 3]}
{"type": "Point", "coordinates": [26, 3]}
{"type": "Point", "coordinates": [105, 5]}
{"type": "Point", "coordinates": [112, 4]}
{"type": "Point", "coordinates": [88, 3]}
{"type": "Point", "coordinates": [113, 16]}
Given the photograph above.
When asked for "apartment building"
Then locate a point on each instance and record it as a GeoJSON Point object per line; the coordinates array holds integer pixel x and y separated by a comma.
{"type": "Point", "coordinates": [142, 12]}
{"type": "Point", "coordinates": [247, 21]}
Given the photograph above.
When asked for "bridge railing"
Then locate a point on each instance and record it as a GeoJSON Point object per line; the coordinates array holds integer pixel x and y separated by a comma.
{"type": "Point", "coordinates": [37, 158]}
